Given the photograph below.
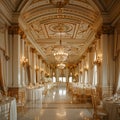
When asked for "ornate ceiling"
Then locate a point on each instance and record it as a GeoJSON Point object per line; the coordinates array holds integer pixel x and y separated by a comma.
{"type": "Point", "coordinates": [79, 20]}
{"type": "Point", "coordinates": [76, 19]}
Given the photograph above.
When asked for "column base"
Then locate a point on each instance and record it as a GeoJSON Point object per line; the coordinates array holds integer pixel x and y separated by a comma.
{"type": "Point", "coordinates": [19, 94]}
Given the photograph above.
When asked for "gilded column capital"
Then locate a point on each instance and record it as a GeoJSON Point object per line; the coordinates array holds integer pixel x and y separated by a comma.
{"type": "Point", "coordinates": [14, 29]}
{"type": "Point", "coordinates": [89, 49]}
{"type": "Point", "coordinates": [23, 36]}
{"type": "Point", "coordinates": [107, 29]}
{"type": "Point", "coordinates": [33, 50]}
{"type": "Point", "coordinates": [39, 57]}
{"type": "Point", "coordinates": [98, 35]}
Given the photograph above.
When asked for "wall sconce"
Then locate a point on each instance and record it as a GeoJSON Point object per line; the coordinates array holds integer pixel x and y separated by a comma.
{"type": "Point", "coordinates": [24, 61]}
{"type": "Point", "coordinates": [98, 60]}
{"type": "Point", "coordinates": [36, 67]}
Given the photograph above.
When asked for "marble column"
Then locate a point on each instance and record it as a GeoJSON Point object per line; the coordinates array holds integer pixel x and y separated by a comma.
{"type": "Point", "coordinates": [33, 73]}
{"type": "Point", "coordinates": [16, 46]}
{"type": "Point", "coordinates": [107, 61]}
{"type": "Point", "coordinates": [57, 74]}
{"type": "Point", "coordinates": [38, 73]}
{"type": "Point", "coordinates": [29, 52]}
{"type": "Point", "coordinates": [66, 74]}
{"type": "Point", "coordinates": [40, 61]}
{"type": "Point", "coordinates": [91, 64]}
{"type": "Point", "coordinates": [16, 88]}
{"type": "Point", "coordinates": [23, 66]}
{"type": "Point", "coordinates": [83, 70]}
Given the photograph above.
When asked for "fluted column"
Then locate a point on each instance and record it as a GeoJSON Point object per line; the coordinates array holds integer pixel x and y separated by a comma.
{"type": "Point", "coordinates": [16, 88]}
{"type": "Point", "coordinates": [16, 38]}
{"type": "Point", "coordinates": [91, 65]}
{"type": "Point", "coordinates": [28, 69]}
{"type": "Point", "coordinates": [42, 70]}
{"type": "Point", "coordinates": [22, 55]}
{"type": "Point", "coordinates": [38, 72]}
{"type": "Point", "coordinates": [83, 70]}
{"type": "Point", "coordinates": [33, 66]}
{"type": "Point", "coordinates": [80, 73]}
{"type": "Point", "coordinates": [40, 61]}
{"type": "Point", "coordinates": [57, 74]}
{"type": "Point", "coordinates": [107, 68]}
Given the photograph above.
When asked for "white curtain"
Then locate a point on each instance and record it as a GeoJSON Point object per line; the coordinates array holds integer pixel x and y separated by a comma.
{"type": "Point", "coordinates": [2, 71]}
{"type": "Point", "coordinates": [117, 60]}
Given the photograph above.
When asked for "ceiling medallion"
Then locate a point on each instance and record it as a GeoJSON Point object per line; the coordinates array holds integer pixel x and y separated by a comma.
{"type": "Point", "coordinates": [59, 3]}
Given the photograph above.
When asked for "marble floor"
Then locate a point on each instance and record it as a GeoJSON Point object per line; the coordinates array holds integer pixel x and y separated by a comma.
{"type": "Point", "coordinates": [57, 104]}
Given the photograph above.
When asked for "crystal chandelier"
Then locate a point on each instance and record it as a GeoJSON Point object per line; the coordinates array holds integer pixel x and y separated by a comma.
{"type": "Point", "coordinates": [59, 50]}
{"type": "Point", "coordinates": [60, 54]}
{"type": "Point", "coordinates": [61, 65]}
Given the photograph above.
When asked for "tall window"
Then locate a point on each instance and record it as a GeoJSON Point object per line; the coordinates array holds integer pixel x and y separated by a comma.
{"type": "Point", "coordinates": [70, 79]}
{"type": "Point", "coordinates": [62, 79]}
{"type": "Point", "coordinates": [54, 79]}
{"type": "Point", "coordinates": [86, 77]}
{"type": "Point", "coordinates": [95, 75]}
{"type": "Point", "coordinates": [95, 72]}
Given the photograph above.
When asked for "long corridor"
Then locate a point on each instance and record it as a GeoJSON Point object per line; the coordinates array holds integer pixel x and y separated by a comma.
{"type": "Point", "coordinates": [57, 104]}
